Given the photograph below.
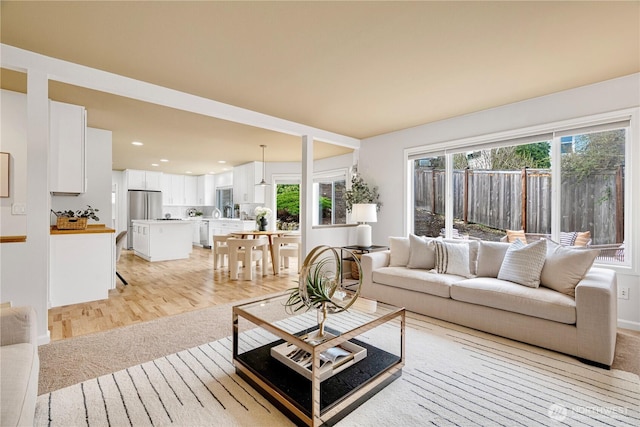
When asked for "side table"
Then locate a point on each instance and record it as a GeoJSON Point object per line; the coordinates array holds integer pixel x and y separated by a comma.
{"type": "Point", "coordinates": [356, 250]}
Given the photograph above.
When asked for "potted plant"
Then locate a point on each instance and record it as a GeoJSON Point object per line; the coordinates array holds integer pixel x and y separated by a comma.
{"type": "Point", "coordinates": [75, 220]}
{"type": "Point", "coordinates": [361, 193]}
{"type": "Point", "coordinates": [319, 286]}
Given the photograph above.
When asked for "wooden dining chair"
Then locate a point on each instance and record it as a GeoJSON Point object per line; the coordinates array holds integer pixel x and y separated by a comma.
{"type": "Point", "coordinates": [285, 247]}
{"type": "Point", "coordinates": [247, 251]}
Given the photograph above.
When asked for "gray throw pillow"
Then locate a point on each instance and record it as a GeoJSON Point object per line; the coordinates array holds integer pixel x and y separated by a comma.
{"type": "Point", "coordinates": [421, 252]}
{"type": "Point", "coordinates": [523, 264]}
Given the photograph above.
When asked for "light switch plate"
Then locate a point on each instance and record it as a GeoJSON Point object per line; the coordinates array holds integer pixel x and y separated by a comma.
{"type": "Point", "coordinates": [18, 209]}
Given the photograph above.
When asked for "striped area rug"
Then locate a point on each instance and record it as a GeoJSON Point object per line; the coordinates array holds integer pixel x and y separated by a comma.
{"type": "Point", "coordinates": [453, 376]}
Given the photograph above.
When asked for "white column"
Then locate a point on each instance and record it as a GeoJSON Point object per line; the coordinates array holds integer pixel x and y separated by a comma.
{"type": "Point", "coordinates": [36, 268]}
{"type": "Point", "coordinates": [306, 194]}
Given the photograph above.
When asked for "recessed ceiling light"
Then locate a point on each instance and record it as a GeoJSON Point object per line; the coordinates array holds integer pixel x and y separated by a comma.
{"type": "Point", "coordinates": [188, 172]}
{"type": "Point", "coordinates": [137, 143]}
{"type": "Point", "coordinates": [154, 164]}
{"type": "Point", "coordinates": [222, 161]}
{"type": "Point", "coordinates": [164, 160]}
{"type": "Point", "coordinates": [212, 173]}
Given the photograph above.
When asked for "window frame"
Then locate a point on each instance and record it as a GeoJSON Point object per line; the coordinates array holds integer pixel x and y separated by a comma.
{"type": "Point", "coordinates": [518, 136]}
{"type": "Point", "coordinates": [333, 175]}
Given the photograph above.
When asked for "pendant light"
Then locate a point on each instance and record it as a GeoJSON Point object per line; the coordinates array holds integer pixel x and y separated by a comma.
{"type": "Point", "coordinates": [263, 183]}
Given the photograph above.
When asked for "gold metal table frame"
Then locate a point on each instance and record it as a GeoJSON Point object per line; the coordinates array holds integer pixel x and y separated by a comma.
{"type": "Point", "coordinates": [316, 416]}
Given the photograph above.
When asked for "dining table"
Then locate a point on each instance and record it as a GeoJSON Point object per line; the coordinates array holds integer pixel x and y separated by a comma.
{"type": "Point", "coordinates": [270, 234]}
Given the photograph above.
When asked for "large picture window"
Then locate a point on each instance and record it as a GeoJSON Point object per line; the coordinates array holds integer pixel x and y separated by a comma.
{"type": "Point", "coordinates": [509, 184]}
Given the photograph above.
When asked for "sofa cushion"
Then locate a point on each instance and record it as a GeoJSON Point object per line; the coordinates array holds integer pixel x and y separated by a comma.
{"type": "Point", "coordinates": [490, 256]}
{"type": "Point", "coordinates": [513, 235]}
{"type": "Point", "coordinates": [416, 280]}
{"type": "Point", "coordinates": [452, 258]}
{"type": "Point", "coordinates": [564, 267]}
{"type": "Point", "coordinates": [421, 252]}
{"type": "Point", "coordinates": [523, 264]}
{"type": "Point", "coordinates": [19, 387]}
{"type": "Point", "coordinates": [504, 295]}
{"type": "Point", "coordinates": [398, 251]}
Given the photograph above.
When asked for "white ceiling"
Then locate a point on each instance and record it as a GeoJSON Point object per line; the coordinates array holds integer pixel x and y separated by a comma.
{"type": "Point", "coordinates": [355, 68]}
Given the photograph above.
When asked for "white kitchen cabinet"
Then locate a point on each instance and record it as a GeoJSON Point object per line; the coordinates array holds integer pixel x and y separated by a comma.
{"type": "Point", "coordinates": [81, 267]}
{"type": "Point", "coordinates": [143, 180]}
{"type": "Point", "coordinates": [141, 238]}
{"type": "Point", "coordinates": [67, 148]}
{"type": "Point", "coordinates": [173, 190]}
{"type": "Point", "coordinates": [191, 190]}
{"type": "Point", "coordinates": [206, 190]}
{"type": "Point", "coordinates": [162, 240]}
{"type": "Point", "coordinates": [245, 178]}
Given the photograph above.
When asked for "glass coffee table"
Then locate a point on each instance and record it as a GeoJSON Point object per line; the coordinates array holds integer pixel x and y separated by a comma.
{"type": "Point", "coordinates": [316, 381]}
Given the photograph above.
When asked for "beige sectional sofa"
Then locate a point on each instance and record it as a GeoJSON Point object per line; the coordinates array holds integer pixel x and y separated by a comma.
{"type": "Point", "coordinates": [577, 319]}
{"type": "Point", "coordinates": [19, 366]}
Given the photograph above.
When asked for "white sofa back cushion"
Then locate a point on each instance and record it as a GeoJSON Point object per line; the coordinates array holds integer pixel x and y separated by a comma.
{"type": "Point", "coordinates": [398, 251]}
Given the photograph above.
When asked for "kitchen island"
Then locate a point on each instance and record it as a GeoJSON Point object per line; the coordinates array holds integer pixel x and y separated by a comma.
{"type": "Point", "coordinates": [160, 240]}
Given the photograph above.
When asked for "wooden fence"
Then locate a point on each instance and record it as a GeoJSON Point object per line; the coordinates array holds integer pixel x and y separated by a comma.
{"type": "Point", "coordinates": [517, 200]}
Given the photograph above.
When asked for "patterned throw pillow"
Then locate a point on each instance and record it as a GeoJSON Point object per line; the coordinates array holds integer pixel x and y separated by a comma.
{"type": "Point", "coordinates": [452, 258]}
{"type": "Point", "coordinates": [568, 238]}
{"type": "Point", "coordinates": [523, 263]}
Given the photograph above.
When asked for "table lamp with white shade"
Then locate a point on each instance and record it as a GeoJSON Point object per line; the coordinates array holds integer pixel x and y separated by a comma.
{"type": "Point", "coordinates": [363, 213]}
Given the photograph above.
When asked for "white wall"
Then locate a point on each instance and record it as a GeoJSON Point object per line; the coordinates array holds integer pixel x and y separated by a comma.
{"type": "Point", "coordinates": [13, 140]}
{"type": "Point", "coordinates": [98, 194]}
{"type": "Point", "coordinates": [382, 158]}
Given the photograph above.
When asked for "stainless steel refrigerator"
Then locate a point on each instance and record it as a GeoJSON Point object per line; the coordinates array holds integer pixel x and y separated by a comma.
{"type": "Point", "coordinates": [142, 205]}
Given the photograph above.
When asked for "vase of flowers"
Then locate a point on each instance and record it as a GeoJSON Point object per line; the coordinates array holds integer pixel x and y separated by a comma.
{"type": "Point", "coordinates": [262, 214]}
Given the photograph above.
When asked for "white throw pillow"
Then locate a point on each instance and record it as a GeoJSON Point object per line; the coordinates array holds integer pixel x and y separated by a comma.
{"type": "Point", "coordinates": [473, 252]}
{"type": "Point", "coordinates": [490, 257]}
{"type": "Point", "coordinates": [523, 264]}
{"type": "Point", "coordinates": [421, 252]}
{"type": "Point", "coordinates": [565, 267]}
{"type": "Point", "coordinates": [452, 258]}
{"type": "Point", "coordinates": [398, 251]}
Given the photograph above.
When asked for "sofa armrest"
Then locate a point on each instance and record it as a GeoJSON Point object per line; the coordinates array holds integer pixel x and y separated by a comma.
{"type": "Point", "coordinates": [370, 262]}
{"type": "Point", "coordinates": [597, 315]}
{"type": "Point", "coordinates": [18, 325]}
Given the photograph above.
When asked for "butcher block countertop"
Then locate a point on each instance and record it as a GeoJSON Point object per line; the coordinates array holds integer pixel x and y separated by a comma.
{"type": "Point", "coordinates": [91, 229]}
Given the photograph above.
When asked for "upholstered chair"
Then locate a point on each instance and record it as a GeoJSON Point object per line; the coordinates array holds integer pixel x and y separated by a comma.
{"type": "Point", "coordinates": [286, 247]}
{"type": "Point", "coordinates": [247, 251]}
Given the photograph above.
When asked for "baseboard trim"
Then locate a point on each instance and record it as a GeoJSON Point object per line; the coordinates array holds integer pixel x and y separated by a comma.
{"type": "Point", "coordinates": [626, 324]}
{"type": "Point", "coordinates": [44, 339]}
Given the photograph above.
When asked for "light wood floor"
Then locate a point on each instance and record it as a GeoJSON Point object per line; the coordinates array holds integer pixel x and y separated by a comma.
{"type": "Point", "coordinates": [158, 289]}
